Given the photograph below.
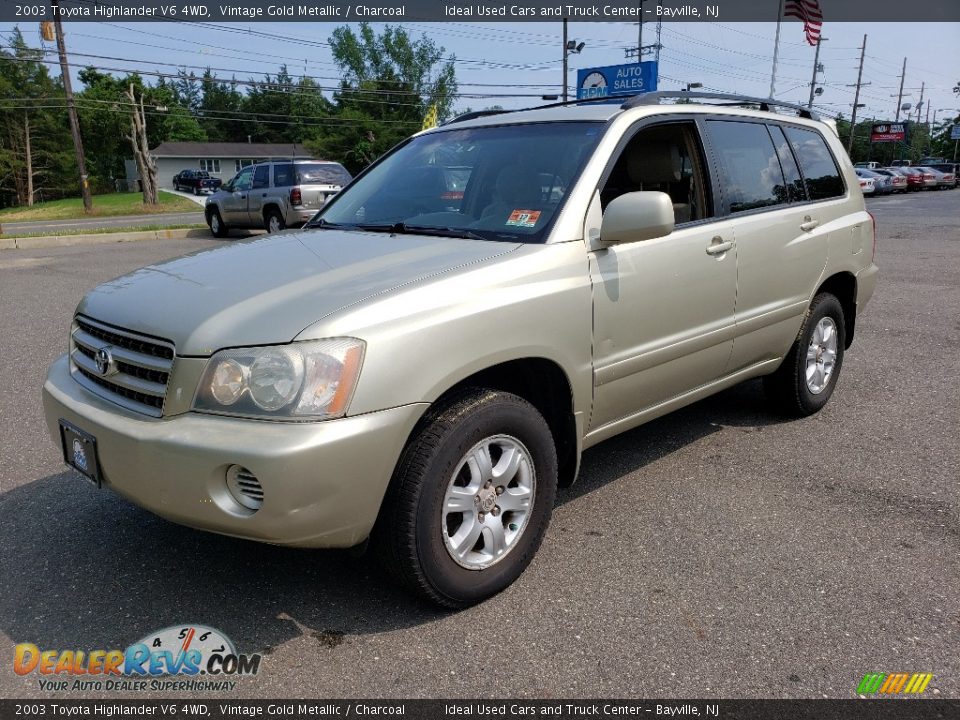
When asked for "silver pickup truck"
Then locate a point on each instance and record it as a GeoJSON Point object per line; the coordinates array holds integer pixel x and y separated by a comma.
{"type": "Point", "coordinates": [424, 364]}
{"type": "Point", "coordinates": [274, 195]}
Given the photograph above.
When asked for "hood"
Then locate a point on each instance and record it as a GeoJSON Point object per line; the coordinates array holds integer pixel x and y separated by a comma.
{"type": "Point", "coordinates": [267, 290]}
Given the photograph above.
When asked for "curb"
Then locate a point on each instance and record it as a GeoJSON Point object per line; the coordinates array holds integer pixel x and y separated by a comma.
{"type": "Point", "coordinates": [48, 241]}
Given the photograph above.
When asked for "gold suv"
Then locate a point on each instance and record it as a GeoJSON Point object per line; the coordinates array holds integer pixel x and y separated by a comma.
{"type": "Point", "coordinates": [423, 364]}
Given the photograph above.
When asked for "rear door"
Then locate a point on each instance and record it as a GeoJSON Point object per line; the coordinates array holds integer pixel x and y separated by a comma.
{"type": "Point", "coordinates": [783, 219]}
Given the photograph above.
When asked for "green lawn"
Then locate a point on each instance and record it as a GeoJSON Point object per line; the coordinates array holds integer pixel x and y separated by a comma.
{"type": "Point", "coordinates": [103, 206]}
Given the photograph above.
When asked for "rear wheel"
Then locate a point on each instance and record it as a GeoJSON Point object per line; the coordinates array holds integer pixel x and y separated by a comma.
{"type": "Point", "coordinates": [275, 222]}
{"type": "Point", "coordinates": [216, 224]}
{"type": "Point", "coordinates": [803, 384]}
{"type": "Point", "coordinates": [470, 500]}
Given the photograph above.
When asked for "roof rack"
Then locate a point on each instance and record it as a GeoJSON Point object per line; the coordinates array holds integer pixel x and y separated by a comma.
{"type": "Point", "coordinates": [475, 114]}
{"type": "Point", "coordinates": [654, 98]}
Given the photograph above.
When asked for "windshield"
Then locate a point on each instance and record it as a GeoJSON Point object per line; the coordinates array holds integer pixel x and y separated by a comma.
{"type": "Point", "coordinates": [495, 183]}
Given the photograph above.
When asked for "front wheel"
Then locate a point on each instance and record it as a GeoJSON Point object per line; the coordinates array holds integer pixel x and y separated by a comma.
{"type": "Point", "coordinates": [216, 224]}
{"type": "Point", "coordinates": [803, 384]}
{"type": "Point", "coordinates": [470, 500]}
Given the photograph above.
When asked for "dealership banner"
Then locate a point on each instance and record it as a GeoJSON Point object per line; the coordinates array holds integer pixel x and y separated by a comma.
{"type": "Point", "coordinates": [459, 10]}
{"type": "Point", "coordinates": [888, 132]}
{"type": "Point", "coordinates": [216, 709]}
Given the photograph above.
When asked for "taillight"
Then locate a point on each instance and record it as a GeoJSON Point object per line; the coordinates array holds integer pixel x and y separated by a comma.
{"type": "Point", "coordinates": [873, 223]}
{"type": "Point", "coordinates": [296, 197]}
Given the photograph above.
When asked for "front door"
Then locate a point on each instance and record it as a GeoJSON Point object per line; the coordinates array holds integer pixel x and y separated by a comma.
{"type": "Point", "coordinates": [235, 204]}
{"type": "Point", "coordinates": [663, 308]}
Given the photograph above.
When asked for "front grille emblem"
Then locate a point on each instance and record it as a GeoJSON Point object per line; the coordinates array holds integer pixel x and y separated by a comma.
{"type": "Point", "coordinates": [105, 363]}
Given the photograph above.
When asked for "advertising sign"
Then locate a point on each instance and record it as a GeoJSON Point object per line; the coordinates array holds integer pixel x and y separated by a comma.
{"type": "Point", "coordinates": [615, 80]}
{"type": "Point", "coordinates": [955, 132]}
{"type": "Point", "coordinates": [888, 132]}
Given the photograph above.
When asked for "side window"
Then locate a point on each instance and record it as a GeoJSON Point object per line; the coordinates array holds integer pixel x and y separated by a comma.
{"type": "Point", "coordinates": [261, 176]}
{"type": "Point", "coordinates": [667, 158]}
{"type": "Point", "coordinates": [820, 171]}
{"type": "Point", "coordinates": [283, 175]}
{"type": "Point", "coordinates": [750, 172]}
{"type": "Point", "coordinates": [244, 180]}
{"type": "Point", "coordinates": [791, 173]}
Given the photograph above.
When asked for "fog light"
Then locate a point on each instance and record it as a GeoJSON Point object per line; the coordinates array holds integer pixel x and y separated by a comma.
{"type": "Point", "coordinates": [244, 487]}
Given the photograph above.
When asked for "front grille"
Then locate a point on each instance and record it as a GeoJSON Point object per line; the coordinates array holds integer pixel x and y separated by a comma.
{"type": "Point", "coordinates": [141, 365]}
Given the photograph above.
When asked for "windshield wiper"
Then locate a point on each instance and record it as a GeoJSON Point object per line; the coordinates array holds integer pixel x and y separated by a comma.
{"type": "Point", "coordinates": [401, 228]}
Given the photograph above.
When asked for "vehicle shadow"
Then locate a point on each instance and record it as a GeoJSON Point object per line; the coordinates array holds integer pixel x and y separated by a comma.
{"type": "Point", "coordinates": [84, 569]}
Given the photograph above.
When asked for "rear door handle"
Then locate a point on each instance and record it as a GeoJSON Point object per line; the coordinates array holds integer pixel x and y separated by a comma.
{"type": "Point", "coordinates": [808, 224]}
{"type": "Point", "coordinates": [718, 246]}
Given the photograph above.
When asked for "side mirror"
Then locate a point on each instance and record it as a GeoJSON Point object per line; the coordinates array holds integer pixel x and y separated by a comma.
{"type": "Point", "coordinates": [637, 216]}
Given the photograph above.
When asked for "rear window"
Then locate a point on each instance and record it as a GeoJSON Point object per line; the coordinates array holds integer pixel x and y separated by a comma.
{"type": "Point", "coordinates": [820, 172]}
{"type": "Point", "coordinates": [286, 174]}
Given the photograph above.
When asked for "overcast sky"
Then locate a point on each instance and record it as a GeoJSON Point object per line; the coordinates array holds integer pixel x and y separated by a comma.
{"type": "Point", "coordinates": [495, 59]}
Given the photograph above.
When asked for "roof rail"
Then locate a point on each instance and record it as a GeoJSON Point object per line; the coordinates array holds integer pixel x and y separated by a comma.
{"type": "Point", "coordinates": [475, 114]}
{"type": "Point", "coordinates": [654, 98]}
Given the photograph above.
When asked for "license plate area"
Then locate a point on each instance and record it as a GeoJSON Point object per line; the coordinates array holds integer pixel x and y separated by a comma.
{"type": "Point", "coordinates": [80, 451]}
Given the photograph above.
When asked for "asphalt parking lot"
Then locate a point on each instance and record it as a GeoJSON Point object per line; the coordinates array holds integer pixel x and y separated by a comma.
{"type": "Point", "coordinates": [716, 552]}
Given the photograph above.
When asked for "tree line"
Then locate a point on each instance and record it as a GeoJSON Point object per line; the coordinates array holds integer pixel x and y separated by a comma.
{"type": "Point", "coordinates": [388, 82]}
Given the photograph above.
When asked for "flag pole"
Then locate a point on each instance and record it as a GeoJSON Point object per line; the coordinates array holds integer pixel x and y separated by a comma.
{"type": "Point", "coordinates": [776, 49]}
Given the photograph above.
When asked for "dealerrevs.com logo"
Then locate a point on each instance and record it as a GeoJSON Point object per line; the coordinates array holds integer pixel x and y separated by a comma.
{"type": "Point", "coordinates": [894, 683]}
{"type": "Point", "coordinates": [184, 652]}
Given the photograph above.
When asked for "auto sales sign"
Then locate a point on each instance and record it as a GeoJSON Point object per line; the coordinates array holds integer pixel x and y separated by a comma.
{"type": "Point", "coordinates": [888, 132]}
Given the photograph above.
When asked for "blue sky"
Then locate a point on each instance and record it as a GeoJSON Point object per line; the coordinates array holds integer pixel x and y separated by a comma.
{"type": "Point", "coordinates": [510, 59]}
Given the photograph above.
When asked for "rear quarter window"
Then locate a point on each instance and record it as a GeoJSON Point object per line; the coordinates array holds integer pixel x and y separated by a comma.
{"type": "Point", "coordinates": [821, 174]}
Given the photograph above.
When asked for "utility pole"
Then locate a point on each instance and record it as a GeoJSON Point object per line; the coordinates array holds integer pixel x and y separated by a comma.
{"type": "Point", "coordinates": [564, 59]}
{"type": "Point", "coordinates": [923, 86]}
{"type": "Point", "coordinates": [72, 110]}
{"type": "Point", "coordinates": [816, 67]}
{"type": "Point", "coordinates": [856, 97]}
{"type": "Point", "coordinates": [903, 74]}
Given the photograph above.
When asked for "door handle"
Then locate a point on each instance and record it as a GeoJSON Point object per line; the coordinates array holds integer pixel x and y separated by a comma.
{"type": "Point", "coordinates": [718, 246]}
{"type": "Point", "coordinates": [264, 195]}
{"type": "Point", "coordinates": [808, 224]}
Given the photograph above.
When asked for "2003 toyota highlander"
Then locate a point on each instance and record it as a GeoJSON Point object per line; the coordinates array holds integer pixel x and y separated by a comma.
{"type": "Point", "coordinates": [422, 367]}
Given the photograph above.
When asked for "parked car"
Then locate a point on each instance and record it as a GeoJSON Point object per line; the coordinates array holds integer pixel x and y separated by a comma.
{"type": "Point", "coordinates": [930, 181]}
{"type": "Point", "coordinates": [873, 165]}
{"type": "Point", "coordinates": [898, 181]}
{"type": "Point", "coordinates": [867, 185]}
{"type": "Point", "coordinates": [274, 195]}
{"type": "Point", "coordinates": [945, 181]}
{"type": "Point", "coordinates": [199, 182]}
{"type": "Point", "coordinates": [950, 168]}
{"type": "Point", "coordinates": [915, 178]}
{"type": "Point", "coordinates": [881, 183]}
{"type": "Point", "coordinates": [426, 378]}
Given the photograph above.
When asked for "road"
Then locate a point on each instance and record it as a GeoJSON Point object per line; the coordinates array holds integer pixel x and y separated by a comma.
{"type": "Point", "coordinates": [64, 226]}
{"type": "Point", "coordinates": [716, 552]}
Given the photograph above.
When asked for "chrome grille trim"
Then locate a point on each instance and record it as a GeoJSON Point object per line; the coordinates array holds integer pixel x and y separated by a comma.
{"type": "Point", "coordinates": [143, 365]}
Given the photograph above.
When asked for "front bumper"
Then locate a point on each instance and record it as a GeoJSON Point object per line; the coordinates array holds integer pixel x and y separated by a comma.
{"type": "Point", "coordinates": [323, 482]}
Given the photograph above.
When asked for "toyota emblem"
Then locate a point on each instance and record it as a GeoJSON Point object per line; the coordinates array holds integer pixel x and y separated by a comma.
{"type": "Point", "coordinates": [105, 364]}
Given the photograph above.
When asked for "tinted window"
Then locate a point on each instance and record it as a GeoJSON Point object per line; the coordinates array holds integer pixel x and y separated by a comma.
{"type": "Point", "coordinates": [750, 173]}
{"type": "Point", "coordinates": [286, 174]}
{"type": "Point", "coordinates": [791, 173]}
{"type": "Point", "coordinates": [820, 171]}
{"type": "Point", "coordinates": [261, 177]}
{"type": "Point", "coordinates": [243, 180]}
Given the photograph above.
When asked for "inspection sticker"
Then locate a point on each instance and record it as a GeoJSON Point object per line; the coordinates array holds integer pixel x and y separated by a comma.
{"type": "Point", "coordinates": [523, 218]}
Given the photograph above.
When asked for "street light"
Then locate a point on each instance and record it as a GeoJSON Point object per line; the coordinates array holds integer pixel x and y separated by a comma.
{"type": "Point", "coordinates": [569, 46]}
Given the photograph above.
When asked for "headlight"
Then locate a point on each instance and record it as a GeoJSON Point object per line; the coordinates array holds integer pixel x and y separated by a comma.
{"type": "Point", "coordinates": [302, 381]}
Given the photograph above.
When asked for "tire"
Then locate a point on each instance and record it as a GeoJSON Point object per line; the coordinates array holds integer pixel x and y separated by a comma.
{"type": "Point", "coordinates": [822, 338]}
{"type": "Point", "coordinates": [216, 224]}
{"type": "Point", "coordinates": [274, 221]}
{"type": "Point", "coordinates": [417, 534]}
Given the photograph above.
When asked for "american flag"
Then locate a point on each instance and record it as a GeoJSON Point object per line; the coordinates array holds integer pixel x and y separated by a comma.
{"type": "Point", "coordinates": [809, 12]}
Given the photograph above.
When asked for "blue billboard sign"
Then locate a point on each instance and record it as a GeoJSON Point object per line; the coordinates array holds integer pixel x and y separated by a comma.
{"type": "Point", "coordinates": [614, 80]}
